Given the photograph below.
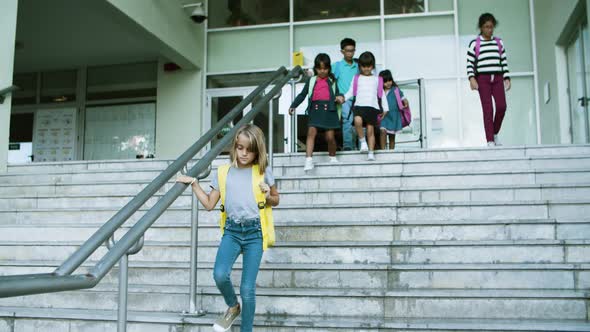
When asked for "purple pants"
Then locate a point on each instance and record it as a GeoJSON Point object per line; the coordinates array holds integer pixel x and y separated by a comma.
{"type": "Point", "coordinates": [492, 86]}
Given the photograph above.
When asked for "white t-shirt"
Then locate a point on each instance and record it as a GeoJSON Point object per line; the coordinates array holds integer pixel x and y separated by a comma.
{"type": "Point", "coordinates": [240, 203]}
{"type": "Point", "coordinates": [366, 94]}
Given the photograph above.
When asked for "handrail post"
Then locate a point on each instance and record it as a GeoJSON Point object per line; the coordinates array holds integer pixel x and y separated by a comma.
{"type": "Point", "coordinates": [124, 281]}
{"type": "Point", "coordinates": [271, 128]}
{"type": "Point", "coordinates": [423, 119]}
{"type": "Point", "coordinates": [123, 292]}
{"type": "Point", "coordinates": [270, 134]}
{"type": "Point", "coordinates": [195, 251]}
{"type": "Point", "coordinates": [294, 117]}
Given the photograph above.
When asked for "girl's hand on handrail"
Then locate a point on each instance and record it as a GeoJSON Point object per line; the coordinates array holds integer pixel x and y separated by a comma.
{"type": "Point", "coordinates": [186, 179]}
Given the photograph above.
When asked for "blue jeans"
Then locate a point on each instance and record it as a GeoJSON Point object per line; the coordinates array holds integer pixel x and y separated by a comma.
{"type": "Point", "coordinates": [244, 238]}
{"type": "Point", "coordinates": [347, 127]}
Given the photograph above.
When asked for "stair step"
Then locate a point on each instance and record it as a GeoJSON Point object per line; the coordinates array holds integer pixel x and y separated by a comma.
{"type": "Point", "coordinates": [417, 154]}
{"type": "Point", "coordinates": [82, 196]}
{"type": "Point", "coordinates": [547, 229]}
{"type": "Point", "coordinates": [83, 320]}
{"type": "Point", "coordinates": [511, 304]}
{"type": "Point", "coordinates": [379, 167]}
{"type": "Point", "coordinates": [526, 251]}
{"type": "Point", "coordinates": [370, 276]}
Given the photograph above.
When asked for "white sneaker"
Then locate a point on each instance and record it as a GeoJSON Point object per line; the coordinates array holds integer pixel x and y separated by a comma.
{"type": "Point", "coordinates": [364, 146]}
{"type": "Point", "coordinates": [490, 144]}
{"type": "Point", "coordinates": [497, 141]}
{"type": "Point", "coordinates": [334, 160]}
{"type": "Point", "coordinates": [371, 156]}
{"type": "Point", "coordinates": [308, 164]}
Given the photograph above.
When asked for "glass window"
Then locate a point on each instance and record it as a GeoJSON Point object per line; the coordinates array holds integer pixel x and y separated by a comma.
{"type": "Point", "coordinates": [409, 44]}
{"type": "Point", "coordinates": [122, 81]}
{"type": "Point", "coordinates": [403, 6]}
{"type": "Point", "coordinates": [247, 50]}
{"type": "Point", "coordinates": [325, 38]}
{"type": "Point", "coordinates": [442, 116]}
{"type": "Point", "coordinates": [58, 86]}
{"type": "Point", "coordinates": [120, 132]}
{"type": "Point", "coordinates": [440, 5]}
{"type": "Point", "coordinates": [235, 13]}
{"type": "Point", "coordinates": [28, 89]}
{"type": "Point", "coordinates": [307, 10]}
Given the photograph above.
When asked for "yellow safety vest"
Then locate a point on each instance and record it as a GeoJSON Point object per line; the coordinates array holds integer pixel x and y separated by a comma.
{"type": "Point", "coordinates": [266, 220]}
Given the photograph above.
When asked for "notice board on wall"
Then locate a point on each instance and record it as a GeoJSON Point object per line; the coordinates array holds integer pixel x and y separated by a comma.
{"type": "Point", "coordinates": [54, 136]}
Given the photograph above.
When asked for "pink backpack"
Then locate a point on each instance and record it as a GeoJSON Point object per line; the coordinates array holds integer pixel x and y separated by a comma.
{"type": "Point", "coordinates": [355, 88]}
{"type": "Point", "coordinates": [403, 111]}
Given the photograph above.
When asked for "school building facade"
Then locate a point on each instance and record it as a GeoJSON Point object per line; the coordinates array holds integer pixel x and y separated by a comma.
{"type": "Point", "coordinates": [125, 79]}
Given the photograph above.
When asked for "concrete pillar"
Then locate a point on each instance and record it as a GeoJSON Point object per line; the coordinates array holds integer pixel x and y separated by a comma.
{"type": "Point", "coordinates": [8, 14]}
{"type": "Point", "coordinates": [178, 111]}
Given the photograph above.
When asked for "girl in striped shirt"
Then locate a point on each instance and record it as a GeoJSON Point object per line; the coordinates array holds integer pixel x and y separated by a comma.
{"type": "Point", "coordinates": [487, 70]}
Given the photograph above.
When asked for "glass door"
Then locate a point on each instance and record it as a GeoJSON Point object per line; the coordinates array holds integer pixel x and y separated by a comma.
{"type": "Point", "coordinates": [222, 101]}
{"type": "Point", "coordinates": [578, 71]}
{"type": "Point", "coordinates": [263, 120]}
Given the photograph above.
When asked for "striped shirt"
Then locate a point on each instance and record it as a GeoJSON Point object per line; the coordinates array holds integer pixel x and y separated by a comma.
{"type": "Point", "coordinates": [489, 61]}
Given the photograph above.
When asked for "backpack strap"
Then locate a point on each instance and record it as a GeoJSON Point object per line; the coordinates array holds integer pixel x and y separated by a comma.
{"type": "Point", "coordinates": [398, 98]}
{"type": "Point", "coordinates": [222, 172]}
{"type": "Point", "coordinates": [500, 48]}
{"type": "Point", "coordinates": [477, 46]}
{"type": "Point", "coordinates": [266, 219]}
{"type": "Point", "coordinates": [355, 84]}
{"type": "Point", "coordinates": [312, 81]}
{"type": "Point", "coordinates": [380, 88]}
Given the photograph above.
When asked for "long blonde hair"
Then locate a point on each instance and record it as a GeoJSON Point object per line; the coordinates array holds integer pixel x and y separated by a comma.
{"type": "Point", "coordinates": [256, 145]}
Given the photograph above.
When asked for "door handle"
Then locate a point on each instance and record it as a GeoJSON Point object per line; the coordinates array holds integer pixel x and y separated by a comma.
{"type": "Point", "coordinates": [583, 101]}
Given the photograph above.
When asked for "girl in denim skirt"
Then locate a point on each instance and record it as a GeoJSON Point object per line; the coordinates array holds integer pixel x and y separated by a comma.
{"type": "Point", "coordinates": [321, 92]}
{"type": "Point", "coordinates": [246, 221]}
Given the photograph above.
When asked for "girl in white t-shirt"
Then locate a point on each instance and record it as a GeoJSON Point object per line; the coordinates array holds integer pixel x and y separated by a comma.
{"type": "Point", "coordinates": [367, 91]}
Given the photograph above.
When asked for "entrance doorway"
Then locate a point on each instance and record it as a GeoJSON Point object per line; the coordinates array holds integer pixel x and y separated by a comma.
{"type": "Point", "coordinates": [578, 59]}
{"type": "Point", "coordinates": [221, 101]}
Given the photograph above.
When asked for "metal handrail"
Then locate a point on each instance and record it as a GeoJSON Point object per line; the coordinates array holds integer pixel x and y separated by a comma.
{"type": "Point", "coordinates": [61, 280]}
{"type": "Point", "coordinates": [7, 90]}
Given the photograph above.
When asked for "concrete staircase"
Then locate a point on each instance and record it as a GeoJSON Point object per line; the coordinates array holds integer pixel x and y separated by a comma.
{"type": "Point", "coordinates": [437, 240]}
